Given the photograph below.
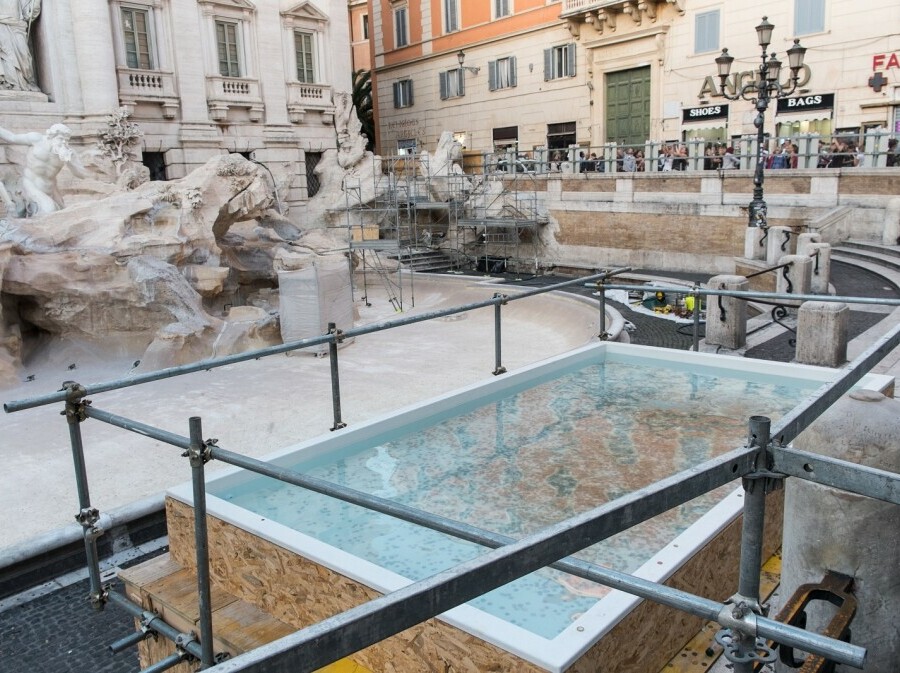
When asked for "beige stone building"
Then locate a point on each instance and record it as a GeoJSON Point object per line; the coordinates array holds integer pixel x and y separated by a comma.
{"type": "Point", "coordinates": [538, 73]}
{"type": "Point", "coordinates": [201, 77]}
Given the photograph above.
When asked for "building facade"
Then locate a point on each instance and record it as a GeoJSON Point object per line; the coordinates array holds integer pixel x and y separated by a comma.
{"type": "Point", "coordinates": [552, 74]}
{"type": "Point", "coordinates": [201, 77]}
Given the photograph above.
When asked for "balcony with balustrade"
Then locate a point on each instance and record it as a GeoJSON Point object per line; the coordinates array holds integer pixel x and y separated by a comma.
{"type": "Point", "coordinates": [607, 11]}
{"type": "Point", "coordinates": [223, 93]}
{"type": "Point", "coordinates": [148, 86]}
{"type": "Point", "coordinates": [303, 98]}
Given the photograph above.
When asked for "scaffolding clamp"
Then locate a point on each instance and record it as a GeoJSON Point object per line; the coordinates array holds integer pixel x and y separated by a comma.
{"type": "Point", "coordinates": [740, 638]}
{"type": "Point", "coordinates": [338, 334]}
{"type": "Point", "coordinates": [200, 455]}
{"type": "Point", "coordinates": [504, 298]}
{"type": "Point", "coordinates": [75, 402]}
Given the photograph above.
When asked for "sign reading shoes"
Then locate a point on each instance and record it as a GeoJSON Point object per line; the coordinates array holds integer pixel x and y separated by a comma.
{"type": "Point", "coordinates": [696, 114]}
{"type": "Point", "coordinates": [822, 101]}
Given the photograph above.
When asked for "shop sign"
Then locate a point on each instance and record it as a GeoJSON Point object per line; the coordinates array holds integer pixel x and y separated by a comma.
{"type": "Point", "coordinates": [697, 114]}
{"type": "Point", "coordinates": [822, 101]}
{"type": "Point", "coordinates": [886, 61]}
{"type": "Point", "coordinates": [735, 81]}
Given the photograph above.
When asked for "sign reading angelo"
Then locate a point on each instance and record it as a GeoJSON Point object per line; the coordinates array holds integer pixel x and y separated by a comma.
{"type": "Point", "coordinates": [696, 114]}
{"type": "Point", "coordinates": [821, 101]}
{"type": "Point", "coordinates": [735, 81]}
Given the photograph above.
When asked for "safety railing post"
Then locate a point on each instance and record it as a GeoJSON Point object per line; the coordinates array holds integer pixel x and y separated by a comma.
{"type": "Point", "coordinates": [695, 293]}
{"type": "Point", "coordinates": [498, 362]}
{"type": "Point", "coordinates": [604, 335]}
{"type": "Point", "coordinates": [335, 376]}
{"type": "Point", "coordinates": [87, 516]}
{"type": "Point", "coordinates": [198, 453]}
{"type": "Point", "coordinates": [743, 648]}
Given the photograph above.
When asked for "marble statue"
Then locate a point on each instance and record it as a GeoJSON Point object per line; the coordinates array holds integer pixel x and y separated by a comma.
{"type": "Point", "coordinates": [16, 63]}
{"type": "Point", "coordinates": [445, 176]}
{"type": "Point", "coordinates": [46, 156]}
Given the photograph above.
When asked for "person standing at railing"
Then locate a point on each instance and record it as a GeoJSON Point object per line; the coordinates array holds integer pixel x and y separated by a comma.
{"type": "Point", "coordinates": [840, 156]}
{"type": "Point", "coordinates": [792, 155]}
{"type": "Point", "coordinates": [729, 160]}
{"type": "Point", "coordinates": [892, 157]}
{"type": "Point", "coordinates": [639, 161]}
{"type": "Point", "coordinates": [680, 161]}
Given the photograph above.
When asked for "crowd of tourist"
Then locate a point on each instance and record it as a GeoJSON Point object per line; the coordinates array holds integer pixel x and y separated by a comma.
{"type": "Point", "coordinates": [784, 154]}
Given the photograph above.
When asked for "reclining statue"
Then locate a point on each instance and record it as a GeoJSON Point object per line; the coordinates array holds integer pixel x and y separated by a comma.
{"type": "Point", "coordinates": [47, 154]}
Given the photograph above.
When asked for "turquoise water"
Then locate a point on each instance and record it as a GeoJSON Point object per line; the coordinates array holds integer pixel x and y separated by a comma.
{"type": "Point", "coordinates": [525, 461]}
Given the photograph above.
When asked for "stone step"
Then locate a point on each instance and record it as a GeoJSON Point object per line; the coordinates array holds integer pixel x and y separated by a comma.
{"type": "Point", "coordinates": [890, 250]}
{"type": "Point", "coordinates": [876, 256]}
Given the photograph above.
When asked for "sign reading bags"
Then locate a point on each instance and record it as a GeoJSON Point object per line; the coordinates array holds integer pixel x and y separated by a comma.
{"type": "Point", "coordinates": [697, 114]}
{"type": "Point", "coordinates": [821, 101]}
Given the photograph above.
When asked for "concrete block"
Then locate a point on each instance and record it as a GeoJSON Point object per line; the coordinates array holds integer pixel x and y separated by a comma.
{"type": "Point", "coordinates": [805, 240]}
{"type": "Point", "coordinates": [799, 275]}
{"type": "Point", "coordinates": [822, 333]}
{"type": "Point", "coordinates": [820, 253]}
{"type": "Point", "coordinates": [726, 325]}
{"type": "Point", "coordinates": [754, 247]}
{"type": "Point", "coordinates": [780, 242]}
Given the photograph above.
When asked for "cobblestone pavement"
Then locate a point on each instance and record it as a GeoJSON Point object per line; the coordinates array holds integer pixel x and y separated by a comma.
{"type": "Point", "coordinates": [59, 632]}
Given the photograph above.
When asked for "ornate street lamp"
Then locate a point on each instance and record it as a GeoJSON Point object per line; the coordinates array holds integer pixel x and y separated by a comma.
{"type": "Point", "coordinates": [766, 87]}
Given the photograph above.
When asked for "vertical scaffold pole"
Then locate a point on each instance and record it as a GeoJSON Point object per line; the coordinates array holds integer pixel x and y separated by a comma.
{"type": "Point", "coordinates": [335, 376]}
{"type": "Point", "coordinates": [199, 455]}
{"type": "Point", "coordinates": [602, 292]}
{"type": "Point", "coordinates": [745, 650]}
{"type": "Point", "coordinates": [498, 360]}
{"type": "Point", "coordinates": [87, 516]}
{"type": "Point", "coordinates": [696, 295]}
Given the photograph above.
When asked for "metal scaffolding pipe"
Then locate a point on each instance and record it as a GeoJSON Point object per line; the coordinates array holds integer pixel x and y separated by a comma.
{"type": "Point", "coordinates": [498, 359]}
{"type": "Point", "coordinates": [213, 363]}
{"type": "Point", "coordinates": [165, 664]}
{"type": "Point", "coordinates": [735, 464]}
{"type": "Point", "coordinates": [128, 641]}
{"type": "Point", "coordinates": [156, 624]}
{"type": "Point", "coordinates": [335, 378]}
{"type": "Point", "coordinates": [198, 455]}
{"type": "Point", "coordinates": [137, 427]}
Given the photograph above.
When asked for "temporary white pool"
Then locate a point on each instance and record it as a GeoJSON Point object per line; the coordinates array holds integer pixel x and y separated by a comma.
{"type": "Point", "coordinates": [514, 455]}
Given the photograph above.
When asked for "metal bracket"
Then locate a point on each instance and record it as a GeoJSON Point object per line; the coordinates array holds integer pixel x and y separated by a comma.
{"type": "Point", "coordinates": [75, 402]}
{"type": "Point", "coordinates": [504, 298]}
{"type": "Point", "coordinates": [200, 456]}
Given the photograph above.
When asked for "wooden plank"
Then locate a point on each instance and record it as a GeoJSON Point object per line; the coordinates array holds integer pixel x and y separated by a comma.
{"type": "Point", "coordinates": [137, 577]}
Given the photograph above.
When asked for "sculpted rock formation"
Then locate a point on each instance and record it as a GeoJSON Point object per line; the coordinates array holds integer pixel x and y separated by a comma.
{"type": "Point", "coordinates": [349, 177]}
{"type": "Point", "coordinates": [159, 264]}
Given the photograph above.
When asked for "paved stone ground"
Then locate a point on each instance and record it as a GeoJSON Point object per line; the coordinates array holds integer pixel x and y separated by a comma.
{"type": "Point", "coordinates": [60, 633]}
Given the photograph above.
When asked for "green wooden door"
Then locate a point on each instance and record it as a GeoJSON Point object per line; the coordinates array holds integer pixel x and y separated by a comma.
{"type": "Point", "coordinates": [628, 106]}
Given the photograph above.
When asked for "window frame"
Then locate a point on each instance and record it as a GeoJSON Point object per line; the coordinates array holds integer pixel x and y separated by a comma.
{"type": "Point", "coordinates": [498, 5]}
{"type": "Point", "coordinates": [799, 19]}
{"type": "Point", "coordinates": [451, 15]}
{"type": "Point", "coordinates": [452, 83]}
{"type": "Point", "coordinates": [147, 13]}
{"type": "Point", "coordinates": [559, 61]}
{"type": "Point", "coordinates": [403, 93]}
{"type": "Point", "coordinates": [239, 63]}
{"type": "Point", "coordinates": [156, 28]}
{"type": "Point", "coordinates": [495, 74]}
{"type": "Point", "coordinates": [705, 43]}
{"type": "Point", "coordinates": [364, 21]}
{"type": "Point", "coordinates": [312, 69]}
{"type": "Point", "coordinates": [401, 26]}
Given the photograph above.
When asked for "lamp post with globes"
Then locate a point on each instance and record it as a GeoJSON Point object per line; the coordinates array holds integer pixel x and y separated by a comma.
{"type": "Point", "coordinates": [766, 87]}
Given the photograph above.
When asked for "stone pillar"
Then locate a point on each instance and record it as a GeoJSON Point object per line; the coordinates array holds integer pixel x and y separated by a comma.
{"type": "Point", "coordinates": [779, 237]}
{"type": "Point", "coordinates": [890, 235]}
{"type": "Point", "coordinates": [799, 275]}
{"type": "Point", "coordinates": [820, 254]}
{"type": "Point", "coordinates": [804, 241]}
{"type": "Point", "coordinates": [822, 333]}
{"type": "Point", "coordinates": [726, 326]}
{"type": "Point", "coordinates": [754, 248]}
{"type": "Point", "coordinates": [96, 58]}
{"type": "Point", "coordinates": [829, 529]}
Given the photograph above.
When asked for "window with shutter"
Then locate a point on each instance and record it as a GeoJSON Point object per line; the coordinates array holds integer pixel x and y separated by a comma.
{"type": "Point", "coordinates": [401, 35]}
{"type": "Point", "coordinates": [559, 62]}
{"type": "Point", "coordinates": [706, 31]}
{"type": "Point", "coordinates": [451, 16]}
{"type": "Point", "coordinates": [809, 16]}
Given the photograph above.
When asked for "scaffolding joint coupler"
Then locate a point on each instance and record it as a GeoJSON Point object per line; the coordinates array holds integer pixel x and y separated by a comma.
{"type": "Point", "coordinates": [338, 334]}
{"type": "Point", "coordinates": [739, 637]}
{"type": "Point", "coordinates": [200, 455]}
{"type": "Point", "coordinates": [504, 298]}
{"type": "Point", "coordinates": [75, 402]}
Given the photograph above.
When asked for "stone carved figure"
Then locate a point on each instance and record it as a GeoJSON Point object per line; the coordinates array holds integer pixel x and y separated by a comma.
{"type": "Point", "coordinates": [16, 63]}
{"type": "Point", "coordinates": [351, 141]}
{"type": "Point", "coordinates": [46, 156]}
